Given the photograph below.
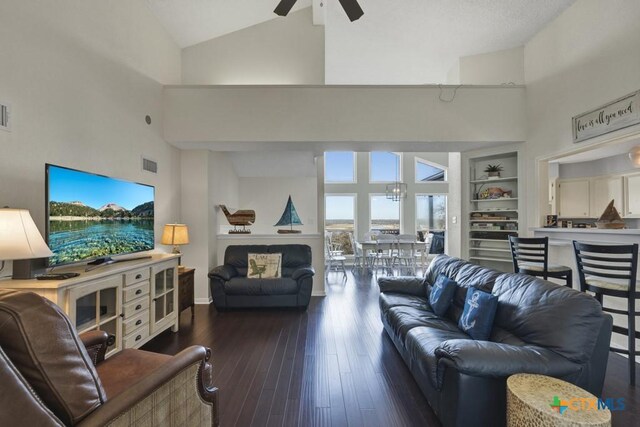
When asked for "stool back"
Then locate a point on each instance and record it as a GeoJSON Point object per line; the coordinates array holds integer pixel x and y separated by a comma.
{"type": "Point", "coordinates": [530, 250]}
{"type": "Point", "coordinates": [613, 267]}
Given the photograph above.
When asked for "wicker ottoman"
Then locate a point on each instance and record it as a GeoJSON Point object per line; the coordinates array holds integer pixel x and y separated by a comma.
{"type": "Point", "coordinates": [538, 400]}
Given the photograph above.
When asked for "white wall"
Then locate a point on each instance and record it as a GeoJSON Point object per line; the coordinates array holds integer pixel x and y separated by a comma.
{"type": "Point", "coordinates": [208, 180]}
{"type": "Point", "coordinates": [587, 57]}
{"type": "Point", "coordinates": [233, 116]}
{"type": "Point", "coordinates": [494, 68]}
{"type": "Point", "coordinates": [280, 51]}
{"type": "Point", "coordinates": [268, 197]}
{"type": "Point", "coordinates": [605, 166]}
{"type": "Point", "coordinates": [71, 70]}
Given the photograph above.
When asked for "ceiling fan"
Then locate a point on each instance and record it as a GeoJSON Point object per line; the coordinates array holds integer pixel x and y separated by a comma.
{"type": "Point", "coordinates": [351, 8]}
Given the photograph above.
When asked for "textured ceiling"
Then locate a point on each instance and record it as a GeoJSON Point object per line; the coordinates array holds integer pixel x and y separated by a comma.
{"type": "Point", "coordinates": [194, 21]}
{"type": "Point", "coordinates": [423, 38]}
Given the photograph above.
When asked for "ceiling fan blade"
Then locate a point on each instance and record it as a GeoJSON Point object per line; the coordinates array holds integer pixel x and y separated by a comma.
{"type": "Point", "coordinates": [352, 9]}
{"type": "Point", "coordinates": [284, 7]}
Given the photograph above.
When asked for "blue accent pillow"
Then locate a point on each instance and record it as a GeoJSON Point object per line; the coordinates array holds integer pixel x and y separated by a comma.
{"type": "Point", "coordinates": [478, 314]}
{"type": "Point", "coordinates": [442, 292]}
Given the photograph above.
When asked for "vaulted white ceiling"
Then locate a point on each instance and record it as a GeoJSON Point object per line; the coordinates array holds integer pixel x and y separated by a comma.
{"type": "Point", "coordinates": [395, 42]}
{"type": "Point", "coordinates": [194, 21]}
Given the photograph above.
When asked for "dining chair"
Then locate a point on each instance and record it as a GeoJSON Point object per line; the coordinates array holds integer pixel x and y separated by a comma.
{"type": "Point", "coordinates": [530, 255]}
{"type": "Point", "coordinates": [611, 271]}
{"type": "Point", "coordinates": [386, 246]}
{"type": "Point", "coordinates": [405, 257]}
{"type": "Point", "coordinates": [358, 255]}
{"type": "Point", "coordinates": [333, 258]}
{"type": "Point", "coordinates": [425, 249]}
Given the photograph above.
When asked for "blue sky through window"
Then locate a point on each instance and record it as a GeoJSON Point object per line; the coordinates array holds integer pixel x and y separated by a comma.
{"type": "Point", "coordinates": [384, 167]}
{"type": "Point", "coordinates": [340, 207]}
{"type": "Point", "coordinates": [427, 172]}
{"type": "Point", "coordinates": [339, 166]}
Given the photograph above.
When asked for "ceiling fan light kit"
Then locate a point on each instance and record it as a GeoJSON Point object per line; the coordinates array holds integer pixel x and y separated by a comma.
{"type": "Point", "coordinates": [351, 7]}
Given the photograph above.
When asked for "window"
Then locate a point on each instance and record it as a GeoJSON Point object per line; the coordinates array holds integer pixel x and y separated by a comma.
{"type": "Point", "coordinates": [340, 214]}
{"type": "Point", "coordinates": [431, 212]}
{"type": "Point", "coordinates": [384, 167]}
{"type": "Point", "coordinates": [385, 214]}
{"type": "Point", "coordinates": [339, 167]}
{"type": "Point", "coordinates": [429, 172]}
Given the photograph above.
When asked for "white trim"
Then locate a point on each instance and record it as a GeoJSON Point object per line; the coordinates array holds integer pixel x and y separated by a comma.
{"type": "Point", "coordinates": [318, 294]}
{"type": "Point", "coordinates": [205, 301]}
{"type": "Point", "coordinates": [446, 209]}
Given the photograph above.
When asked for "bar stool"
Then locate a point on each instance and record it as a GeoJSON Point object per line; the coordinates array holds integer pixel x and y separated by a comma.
{"type": "Point", "coordinates": [611, 271]}
{"type": "Point", "coordinates": [531, 256]}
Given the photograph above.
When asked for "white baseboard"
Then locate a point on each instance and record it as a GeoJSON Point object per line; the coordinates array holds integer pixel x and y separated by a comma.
{"type": "Point", "coordinates": [318, 294]}
{"type": "Point", "coordinates": [206, 301]}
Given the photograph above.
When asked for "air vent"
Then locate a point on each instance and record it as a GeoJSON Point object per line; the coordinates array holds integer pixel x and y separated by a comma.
{"type": "Point", "coordinates": [5, 109]}
{"type": "Point", "coordinates": [149, 165]}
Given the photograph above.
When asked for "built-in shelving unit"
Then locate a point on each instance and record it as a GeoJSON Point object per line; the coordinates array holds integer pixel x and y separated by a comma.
{"type": "Point", "coordinates": [493, 213]}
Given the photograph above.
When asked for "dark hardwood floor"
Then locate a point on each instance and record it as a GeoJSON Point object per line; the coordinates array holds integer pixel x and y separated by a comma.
{"type": "Point", "coordinates": [331, 365]}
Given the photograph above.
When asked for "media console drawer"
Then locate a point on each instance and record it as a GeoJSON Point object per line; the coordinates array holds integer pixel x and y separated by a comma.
{"type": "Point", "coordinates": [136, 291]}
{"type": "Point", "coordinates": [136, 337]}
{"type": "Point", "coordinates": [134, 307]}
{"type": "Point", "coordinates": [135, 322]}
{"type": "Point", "coordinates": [135, 276]}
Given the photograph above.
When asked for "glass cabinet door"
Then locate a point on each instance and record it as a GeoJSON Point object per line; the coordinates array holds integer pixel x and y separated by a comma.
{"type": "Point", "coordinates": [164, 296]}
{"type": "Point", "coordinates": [97, 306]}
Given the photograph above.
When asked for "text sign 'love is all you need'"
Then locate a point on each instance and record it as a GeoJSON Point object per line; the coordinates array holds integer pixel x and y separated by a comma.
{"type": "Point", "coordinates": [621, 113]}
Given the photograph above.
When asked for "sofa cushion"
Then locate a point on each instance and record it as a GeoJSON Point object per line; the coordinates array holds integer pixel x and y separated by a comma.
{"type": "Point", "coordinates": [237, 255]}
{"type": "Point", "coordinates": [43, 345]}
{"type": "Point", "coordinates": [441, 294]}
{"type": "Point", "coordinates": [548, 315]}
{"type": "Point", "coordinates": [293, 256]}
{"type": "Point", "coordinates": [389, 300]}
{"type": "Point", "coordinates": [244, 286]}
{"type": "Point", "coordinates": [402, 319]}
{"type": "Point", "coordinates": [477, 316]}
{"type": "Point", "coordinates": [421, 344]}
{"type": "Point", "coordinates": [465, 274]}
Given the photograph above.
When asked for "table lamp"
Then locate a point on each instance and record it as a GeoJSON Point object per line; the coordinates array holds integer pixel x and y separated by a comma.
{"type": "Point", "coordinates": [21, 242]}
{"type": "Point", "coordinates": [176, 235]}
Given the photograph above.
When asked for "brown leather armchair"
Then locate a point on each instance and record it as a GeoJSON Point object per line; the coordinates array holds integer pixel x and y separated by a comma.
{"type": "Point", "coordinates": [50, 376]}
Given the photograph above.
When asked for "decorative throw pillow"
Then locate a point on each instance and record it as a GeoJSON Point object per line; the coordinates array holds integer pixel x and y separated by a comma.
{"type": "Point", "coordinates": [441, 295]}
{"type": "Point", "coordinates": [477, 317]}
{"type": "Point", "coordinates": [264, 266]}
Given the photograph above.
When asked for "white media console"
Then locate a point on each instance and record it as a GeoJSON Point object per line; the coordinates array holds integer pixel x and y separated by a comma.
{"type": "Point", "coordinates": [132, 300]}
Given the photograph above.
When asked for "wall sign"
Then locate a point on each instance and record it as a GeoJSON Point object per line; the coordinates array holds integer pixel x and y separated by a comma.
{"type": "Point", "coordinates": [618, 114]}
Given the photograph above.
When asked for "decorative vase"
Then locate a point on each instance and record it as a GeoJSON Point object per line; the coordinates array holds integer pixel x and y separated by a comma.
{"type": "Point", "coordinates": [493, 175]}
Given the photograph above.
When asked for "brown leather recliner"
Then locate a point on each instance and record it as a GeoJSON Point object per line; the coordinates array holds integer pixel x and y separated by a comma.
{"type": "Point", "coordinates": [50, 376]}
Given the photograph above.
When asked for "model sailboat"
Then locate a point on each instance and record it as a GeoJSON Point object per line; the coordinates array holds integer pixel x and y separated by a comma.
{"type": "Point", "coordinates": [289, 217]}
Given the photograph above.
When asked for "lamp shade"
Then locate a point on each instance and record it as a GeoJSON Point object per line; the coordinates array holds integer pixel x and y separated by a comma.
{"type": "Point", "coordinates": [634, 156]}
{"type": "Point", "coordinates": [19, 236]}
{"type": "Point", "coordinates": [175, 234]}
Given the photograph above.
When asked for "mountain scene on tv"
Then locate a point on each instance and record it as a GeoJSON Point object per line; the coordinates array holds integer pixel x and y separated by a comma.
{"type": "Point", "coordinates": [92, 216]}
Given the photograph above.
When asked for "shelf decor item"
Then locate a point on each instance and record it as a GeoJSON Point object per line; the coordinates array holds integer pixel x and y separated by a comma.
{"type": "Point", "coordinates": [493, 171]}
{"type": "Point", "coordinates": [610, 218]}
{"type": "Point", "coordinates": [289, 217]}
{"type": "Point", "coordinates": [240, 218]}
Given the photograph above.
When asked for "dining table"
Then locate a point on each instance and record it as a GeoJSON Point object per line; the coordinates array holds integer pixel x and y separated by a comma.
{"type": "Point", "coordinates": [370, 248]}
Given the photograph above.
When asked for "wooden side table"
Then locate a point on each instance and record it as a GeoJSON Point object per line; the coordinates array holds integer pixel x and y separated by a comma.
{"type": "Point", "coordinates": [538, 400]}
{"type": "Point", "coordinates": [185, 288]}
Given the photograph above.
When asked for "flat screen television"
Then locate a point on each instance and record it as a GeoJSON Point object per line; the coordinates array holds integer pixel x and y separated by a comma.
{"type": "Point", "coordinates": [91, 217]}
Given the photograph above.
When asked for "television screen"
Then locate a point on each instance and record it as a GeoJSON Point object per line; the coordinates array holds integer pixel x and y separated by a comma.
{"type": "Point", "coordinates": [91, 216]}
